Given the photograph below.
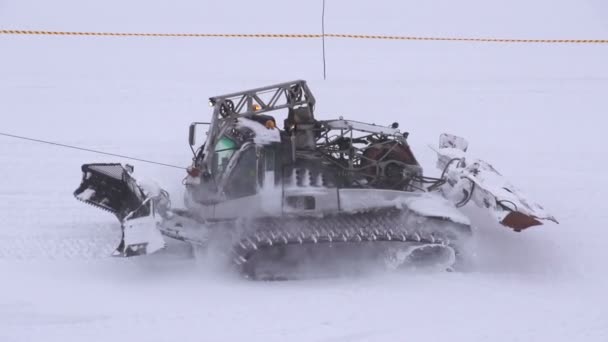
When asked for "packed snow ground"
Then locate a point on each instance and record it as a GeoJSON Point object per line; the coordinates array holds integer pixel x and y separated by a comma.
{"type": "Point", "coordinates": [536, 112]}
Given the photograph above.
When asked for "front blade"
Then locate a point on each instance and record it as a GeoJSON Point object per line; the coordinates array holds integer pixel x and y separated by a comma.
{"type": "Point", "coordinates": [111, 188]}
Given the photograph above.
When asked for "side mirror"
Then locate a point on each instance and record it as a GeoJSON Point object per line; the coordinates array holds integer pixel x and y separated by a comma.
{"type": "Point", "coordinates": [192, 134]}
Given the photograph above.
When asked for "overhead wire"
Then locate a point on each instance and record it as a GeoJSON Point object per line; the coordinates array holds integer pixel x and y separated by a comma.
{"type": "Point", "coordinates": [89, 150]}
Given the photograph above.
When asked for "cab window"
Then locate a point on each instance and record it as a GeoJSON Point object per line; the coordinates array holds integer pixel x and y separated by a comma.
{"type": "Point", "coordinates": [224, 149]}
{"type": "Point", "coordinates": [243, 178]}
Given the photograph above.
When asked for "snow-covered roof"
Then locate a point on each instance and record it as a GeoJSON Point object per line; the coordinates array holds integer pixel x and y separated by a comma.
{"type": "Point", "coordinates": [262, 135]}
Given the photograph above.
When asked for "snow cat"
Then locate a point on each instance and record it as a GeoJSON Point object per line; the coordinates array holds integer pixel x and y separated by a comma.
{"type": "Point", "coordinates": [302, 197]}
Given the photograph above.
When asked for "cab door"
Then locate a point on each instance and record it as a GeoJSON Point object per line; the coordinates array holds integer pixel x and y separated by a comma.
{"type": "Point", "coordinates": [241, 175]}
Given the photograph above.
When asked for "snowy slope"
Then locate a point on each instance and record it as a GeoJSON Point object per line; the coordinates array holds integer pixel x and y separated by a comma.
{"type": "Point", "coordinates": [537, 112]}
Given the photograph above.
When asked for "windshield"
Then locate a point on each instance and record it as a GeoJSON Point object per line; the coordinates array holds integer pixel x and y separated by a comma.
{"type": "Point", "coordinates": [224, 149]}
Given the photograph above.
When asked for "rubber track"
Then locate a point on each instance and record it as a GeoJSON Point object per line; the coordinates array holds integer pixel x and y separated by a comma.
{"type": "Point", "coordinates": [375, 225]}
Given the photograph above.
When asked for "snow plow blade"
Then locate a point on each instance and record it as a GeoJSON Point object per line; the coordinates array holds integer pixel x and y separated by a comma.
{"type": "Point", "coordinates": [111, 187]}
{"type": "Point", "coordinates": [474, 179]}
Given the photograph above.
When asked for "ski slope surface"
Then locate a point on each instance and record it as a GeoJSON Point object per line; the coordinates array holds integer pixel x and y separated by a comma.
{"type": "Point", "coordinates": [536, 112]}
